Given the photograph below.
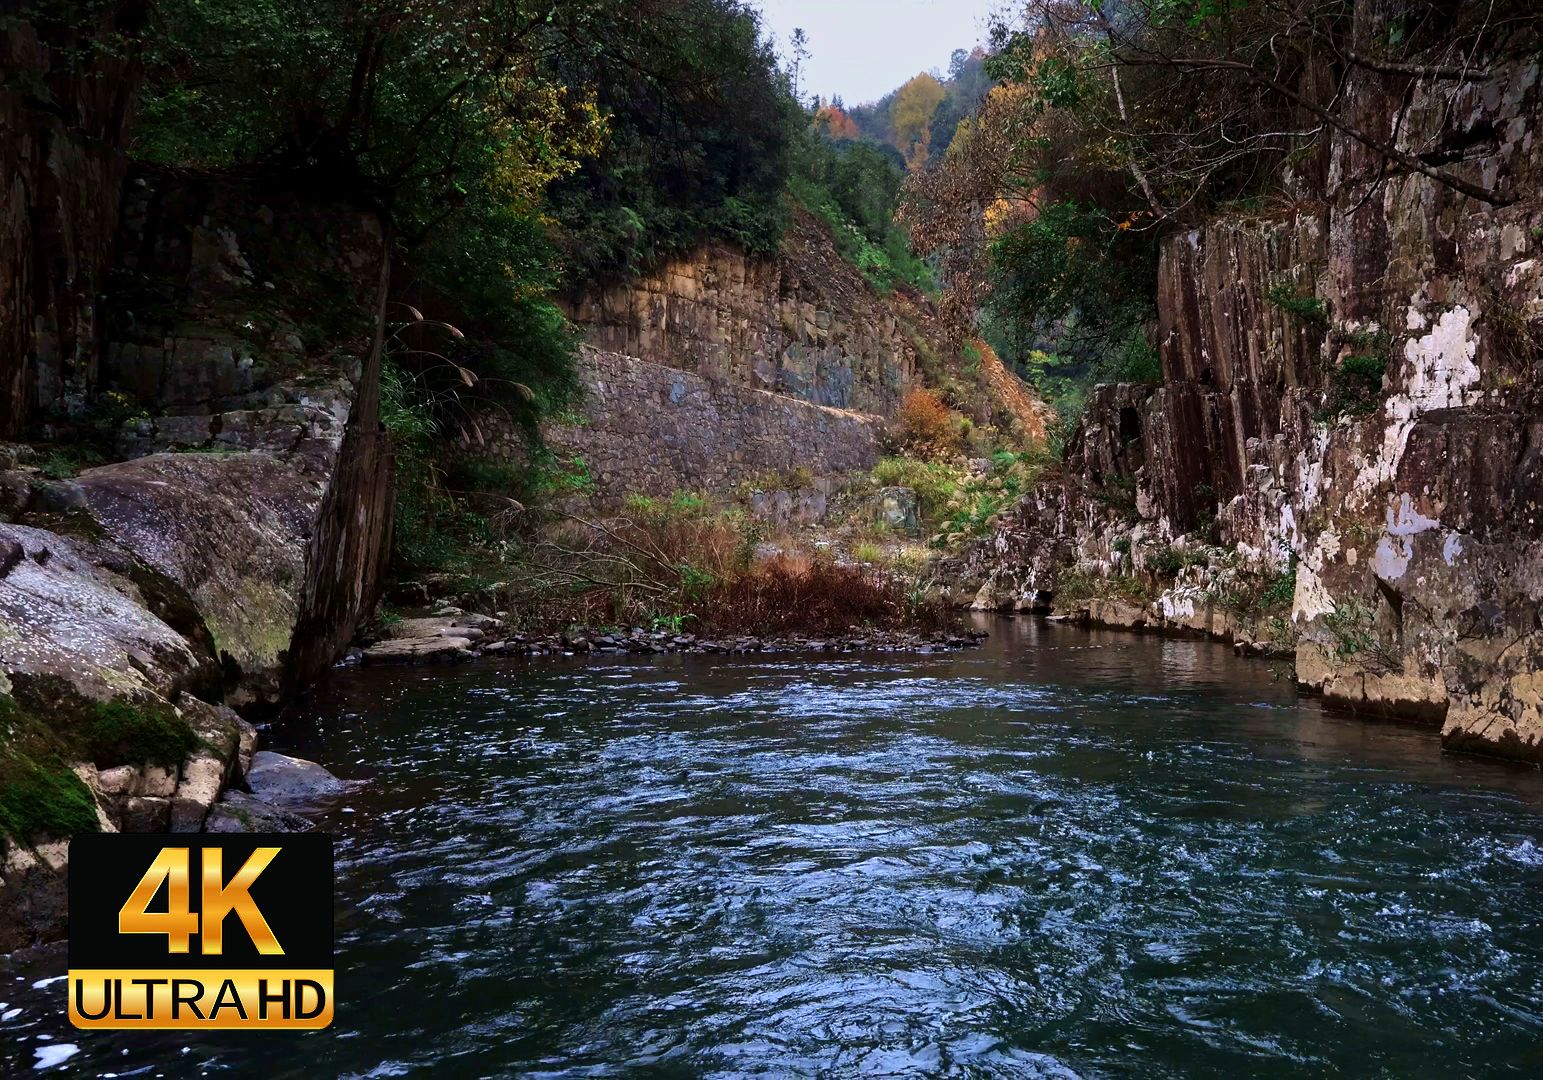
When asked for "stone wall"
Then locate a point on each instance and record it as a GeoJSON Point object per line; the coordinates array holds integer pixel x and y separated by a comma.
{"type": "Point", "coordinates": [805, 323]}
{"type": "Point", "coordinates": [1412, 517]}
{"type": "Point", "coordinates": [654, 430]}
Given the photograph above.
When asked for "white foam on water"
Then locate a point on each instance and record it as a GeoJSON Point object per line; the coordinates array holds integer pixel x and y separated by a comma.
{"type": "Point", "coordinates": [50, 1056]}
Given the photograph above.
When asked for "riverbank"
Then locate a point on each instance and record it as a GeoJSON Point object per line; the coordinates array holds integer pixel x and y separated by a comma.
{"type": "Point", "coordinates": [451, 636]}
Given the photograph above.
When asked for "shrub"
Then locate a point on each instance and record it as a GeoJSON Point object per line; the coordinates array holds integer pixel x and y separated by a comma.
{"type": "Point", "coordinates": [1358, 382]}
{"type": "Point", "coordinates": [926, 426]}
{"type": "Point", "coordinates": [982, 497]}
{"type": "Point", "coordinates": [1170, 560]}
{"type": "Point", "coordinates": [69, 461]}
{"type": "Point", "coordinates": [791, 595]}
{"type": "Point", "coordinates": [1303, 306]}
{"type": "Point", "coordinates": [1281, 591]}
{"type": "Point", "coordinates": [868, 552]}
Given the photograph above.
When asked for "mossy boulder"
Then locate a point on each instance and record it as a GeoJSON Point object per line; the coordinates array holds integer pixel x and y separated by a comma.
{"type": "Point", "coordinates": [40, 794]}
{"type": "Point", "coordinates": [232, 531]}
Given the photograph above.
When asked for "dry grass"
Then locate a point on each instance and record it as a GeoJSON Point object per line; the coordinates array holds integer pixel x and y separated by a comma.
{"type": "Point", "coordinates": [797, 594]}
{"type": "Point", "coordinates": [685, 561]}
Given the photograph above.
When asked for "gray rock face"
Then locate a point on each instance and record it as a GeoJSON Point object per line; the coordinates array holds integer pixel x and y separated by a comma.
{"type": "Point", "coordinates": [229, 529]}
{"type": "Point", "coordinates": [63, 614]}
{"type": "Point", "coordinates": [279, 778]}
{"type": "Point", "coordinates": [1402, 519]}
{"type": "Point", "coordinates": [652, 429]}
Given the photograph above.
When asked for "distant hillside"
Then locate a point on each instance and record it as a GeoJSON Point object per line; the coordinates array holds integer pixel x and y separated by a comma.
{"type": "Point", "coordinates": [924, 111]}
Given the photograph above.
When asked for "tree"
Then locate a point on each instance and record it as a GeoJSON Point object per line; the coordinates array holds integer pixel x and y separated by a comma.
{"type": "Point", "coordinates": [911, 117]}
{"type": "Point", "coordinates": [836, 123]}
{"type": "Point", "coordinates": [1204, 100]}
{"type": "Point", "coordinates": [702, 123]}
{"type": "Point", "coordinates": [799, 42]}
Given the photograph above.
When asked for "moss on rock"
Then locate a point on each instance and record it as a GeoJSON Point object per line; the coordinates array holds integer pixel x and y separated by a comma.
{"type": "Point", "coordinates": [39, 792]}
{"type": "Point", "coordinates": [121, 731]}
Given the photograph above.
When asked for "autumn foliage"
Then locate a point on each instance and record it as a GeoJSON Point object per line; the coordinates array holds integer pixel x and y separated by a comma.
{"type": "Point", "coordinates": [925, 426]}
{"type": "Point", "coordinates": [796, 594]}
{"type": "Point", "coordinates": [834, 122]}
{"type": "Point", "coordinates": [911, 117]}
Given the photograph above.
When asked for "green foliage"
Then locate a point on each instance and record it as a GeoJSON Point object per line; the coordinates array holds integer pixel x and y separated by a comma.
{"type": "Point", "coordinates": [868, 552]}
{"type": "Point", "coordinates": [64, 462]}
{"type": "Point", "coordinates": [1358, 382]}
{"type": "Point", "coordinates": [1170, 560]}
{"type": "Point", "coordinates": [118, 732]}
{"type": "Point", "coordinates": [1282, 589]}
{"type": "Point", "coordinates": [936, 483]}
{"type": "Point", "coordinates": [500, 268]}
{"type": "Point", "coordinates": [701, 125]}
{"type": "Point", "coordinates": [981, 497]}
{"type": "Point", "coordinates": [672, 624]}
{"type": "Point", "coordinates": [1071, 303]}
{"type": "Point", "coordinates": [855, 187]}
{"type": "Point", "coordinates": [1304, 306]}
{"type": "Point", "coordinates": [1353, 626]}
{"type": "Point", "coordinates": [451, 119]}
{"type": "Point", "coordinates": [1064, 382]}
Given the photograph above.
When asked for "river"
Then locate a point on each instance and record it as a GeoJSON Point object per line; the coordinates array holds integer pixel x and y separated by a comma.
{"type": "Point", "coordinates": [1067, 853]}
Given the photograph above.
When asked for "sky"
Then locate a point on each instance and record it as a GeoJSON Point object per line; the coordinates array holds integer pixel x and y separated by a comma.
{"type": "Point", "coordinates": [863, 49]}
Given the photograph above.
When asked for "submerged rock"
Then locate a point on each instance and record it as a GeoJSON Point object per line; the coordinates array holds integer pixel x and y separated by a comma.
{"type": "Point", "coordinates": [238, 812]}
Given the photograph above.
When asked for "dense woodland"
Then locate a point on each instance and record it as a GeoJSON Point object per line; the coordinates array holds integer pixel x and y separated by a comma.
{"type": "Point", "coordinates": [522, 150]}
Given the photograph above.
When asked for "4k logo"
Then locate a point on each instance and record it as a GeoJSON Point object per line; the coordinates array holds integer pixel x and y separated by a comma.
{"type": "Point", "coordinates": [163, 935]}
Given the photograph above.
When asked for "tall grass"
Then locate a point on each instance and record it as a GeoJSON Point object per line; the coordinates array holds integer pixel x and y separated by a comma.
{"type": "Point", "coordinates": [686, 562]}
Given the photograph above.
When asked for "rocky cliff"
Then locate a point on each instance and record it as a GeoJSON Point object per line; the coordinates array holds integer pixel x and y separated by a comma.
{"type": "Point", "coordinates": [718, 371]}
{"type": "Point", "coordinates": [804, 324]}
{"type": "Point", "coordinates": [1344, 461]}
{"type": "Point", "coordinates": [224, 556]}
{"type": "Point", "coordinates": [64, 110]}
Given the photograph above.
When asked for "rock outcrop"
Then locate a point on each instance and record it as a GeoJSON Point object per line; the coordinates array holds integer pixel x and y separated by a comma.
{"type": "Point", "coordinates": [227, 560]}
{"type": "Point", "coordinates": [1406, 514]}
{"type": "Point", "coordinates": [804, 324]}
{"type": "Point", "coordinates": [649, 429]}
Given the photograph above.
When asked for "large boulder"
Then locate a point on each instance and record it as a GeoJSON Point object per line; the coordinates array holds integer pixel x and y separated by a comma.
{"type": "Point", "coordinates": [231, 530]}
{"type": "Point", "coordinates": [279, 778]}
{"type": "Point", "coordinates": [70, 611]}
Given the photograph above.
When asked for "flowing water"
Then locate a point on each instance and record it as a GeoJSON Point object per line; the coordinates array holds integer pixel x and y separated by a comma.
{"type": "Point", "coordinates": [1063, 854]}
